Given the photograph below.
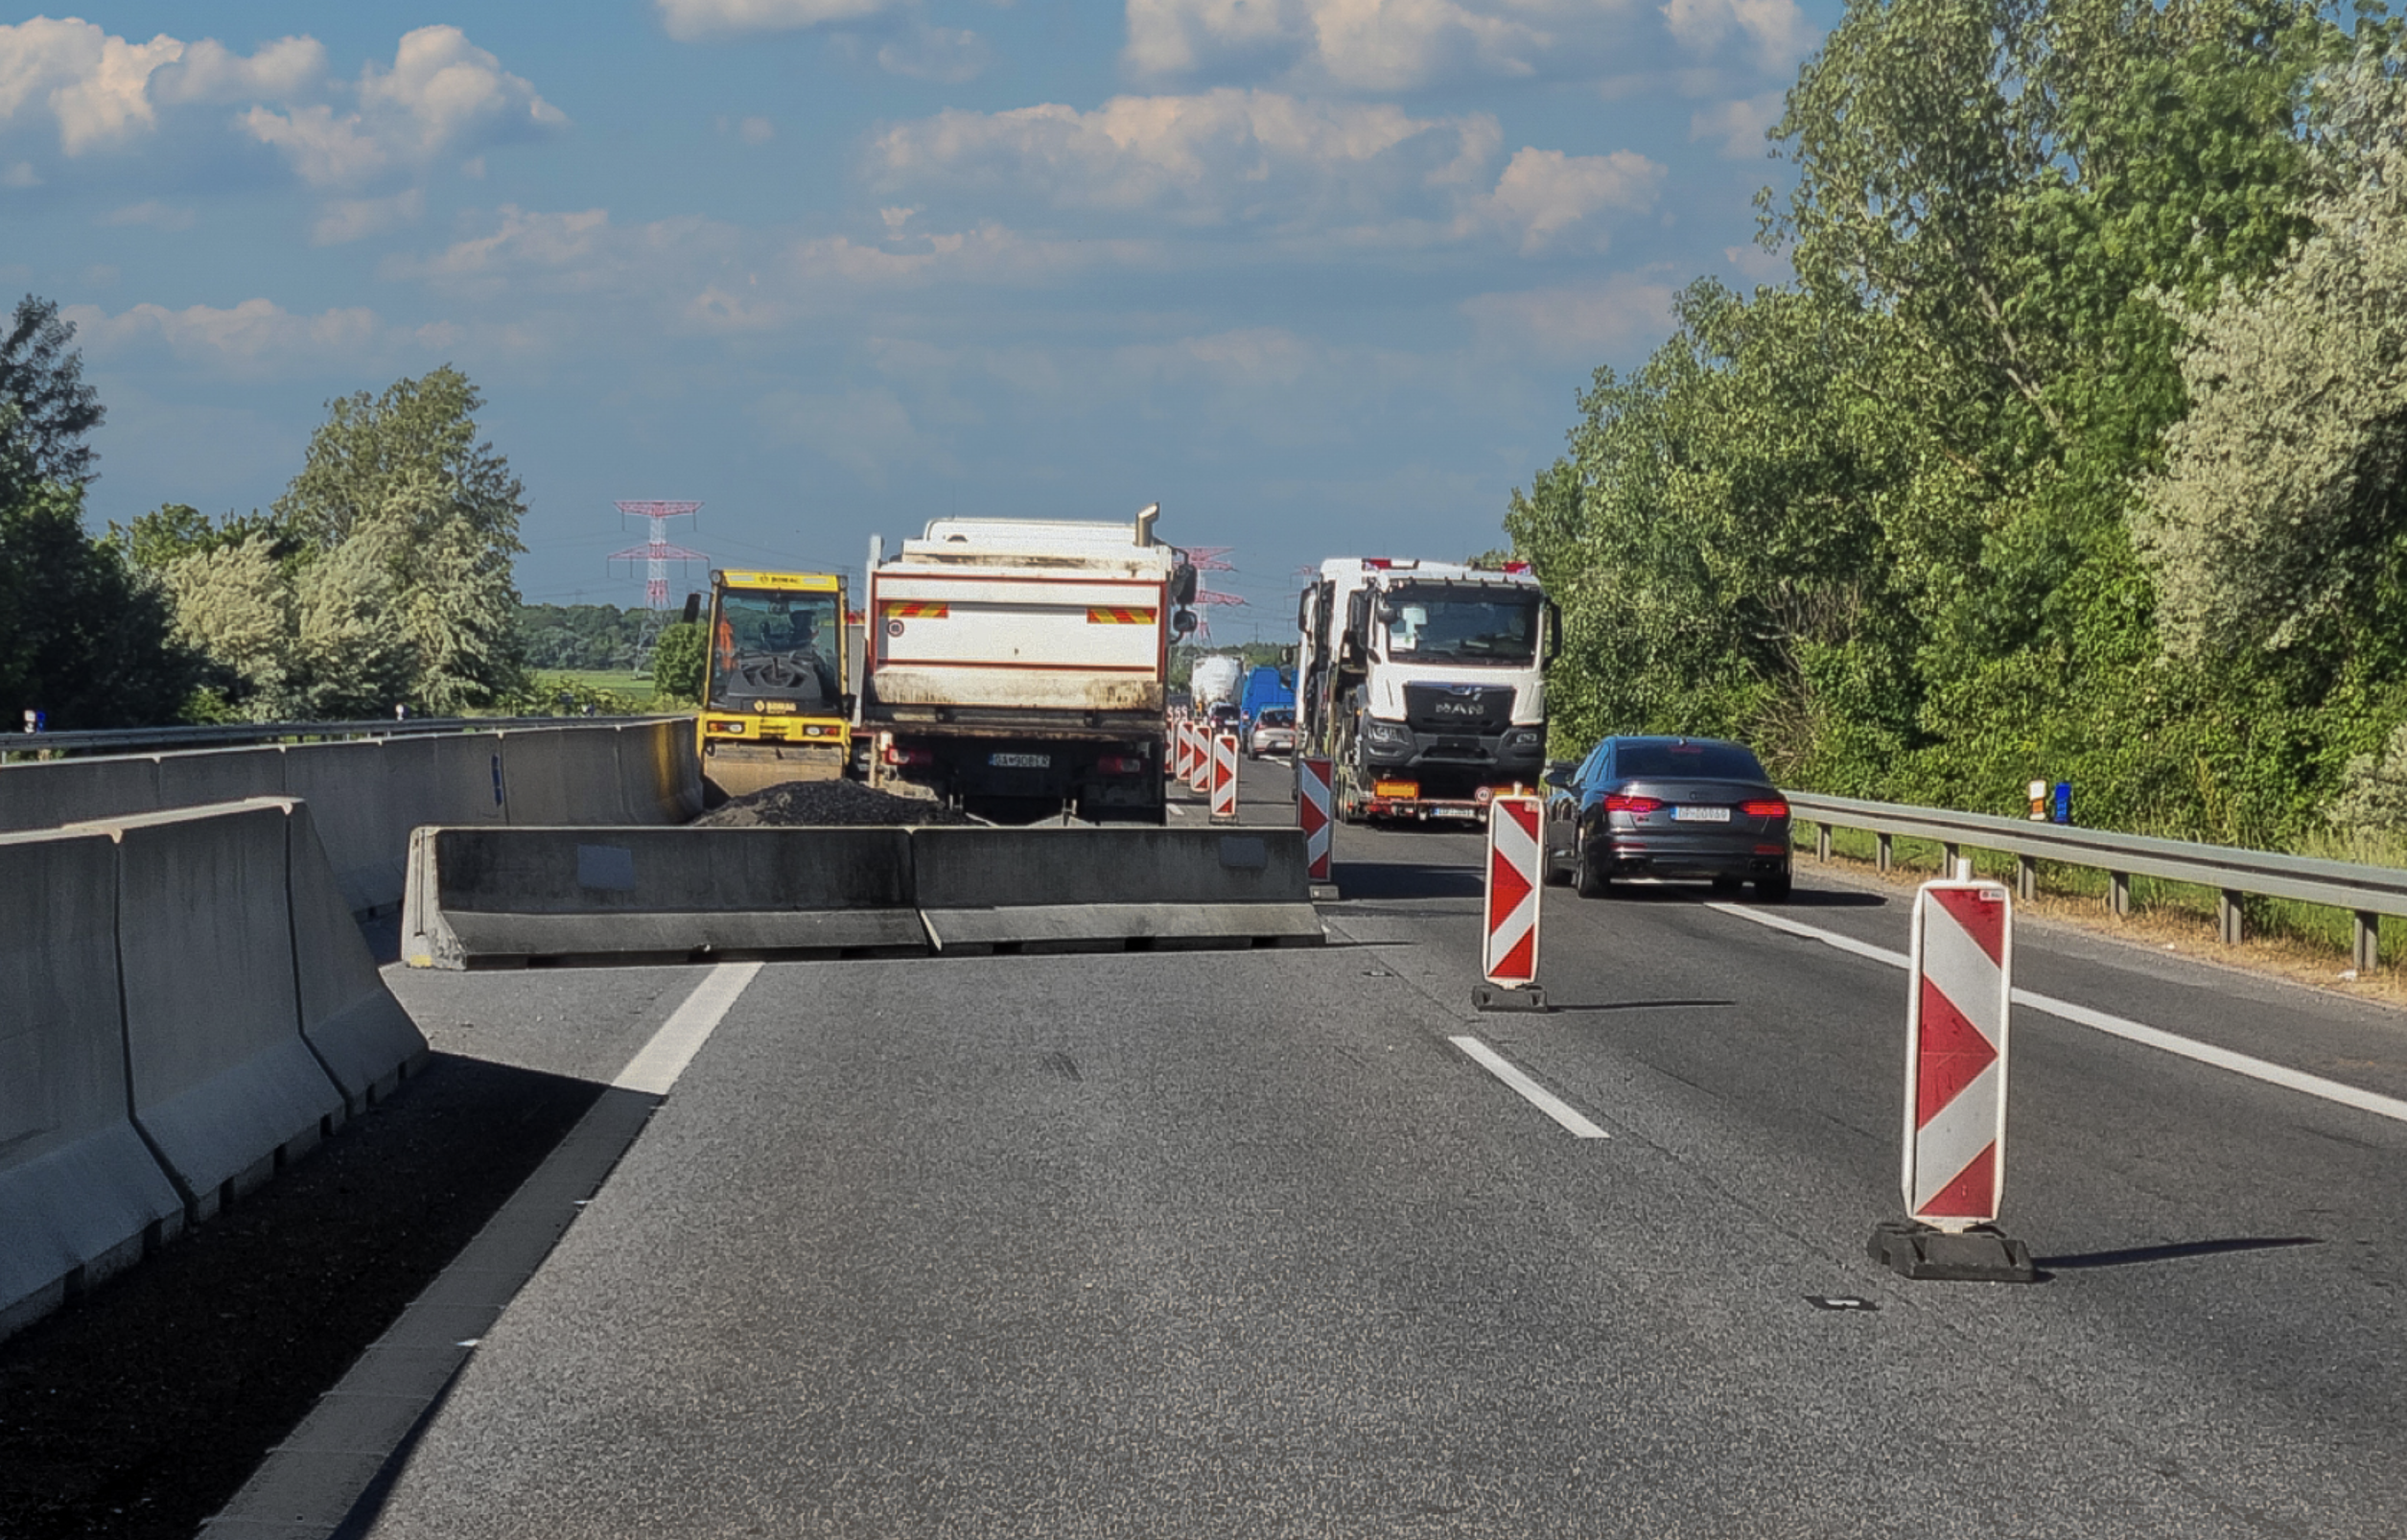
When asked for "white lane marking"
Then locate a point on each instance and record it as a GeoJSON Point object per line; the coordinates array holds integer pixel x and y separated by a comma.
{"type": "Point", "coordinates": [1537, 1095]}
{"type": "Point", "coordinates": [2123, 1027]}
{"type": "Point", "coordinates": [654, 1071]}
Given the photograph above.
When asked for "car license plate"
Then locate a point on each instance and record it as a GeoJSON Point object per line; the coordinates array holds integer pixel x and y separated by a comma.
{"type": "Point", "coordinates": [1701, 815]}
{"type": "Point", "coordinates": [1020, 762]}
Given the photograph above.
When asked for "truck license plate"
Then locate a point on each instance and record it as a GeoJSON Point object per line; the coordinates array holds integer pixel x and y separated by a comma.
{"type": "Point", "coordinates": [1020, 762]}
{"type": "Point", "coordinates": [1701, 815]}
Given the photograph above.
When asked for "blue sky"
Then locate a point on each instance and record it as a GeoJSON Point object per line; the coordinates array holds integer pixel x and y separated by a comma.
{"type": "Point", "coordinates": [1322, 276]}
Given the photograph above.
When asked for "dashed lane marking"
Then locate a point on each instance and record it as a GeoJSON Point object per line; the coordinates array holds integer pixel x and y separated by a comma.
{"type": "Point", "coordinates": [1535, 1094]}
{"type": "Point", "coordinates": [2130, 1031]}
{"type": "Point", "coordinates": [655, 1069]}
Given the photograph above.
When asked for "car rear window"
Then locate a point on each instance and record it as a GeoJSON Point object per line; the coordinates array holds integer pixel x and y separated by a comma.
{"type": "Point", "coordinates": [1716, 762]}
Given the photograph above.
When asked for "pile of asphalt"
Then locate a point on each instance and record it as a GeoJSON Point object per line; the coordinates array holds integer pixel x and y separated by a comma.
{"type": "Point", "coordinates": [804, 804]}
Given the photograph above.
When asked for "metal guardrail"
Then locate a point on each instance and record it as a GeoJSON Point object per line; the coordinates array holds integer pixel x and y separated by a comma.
{"type": "Point", "coordinates": [2366, 893]}
{"type": "Point", "coordinates": [138, 739]}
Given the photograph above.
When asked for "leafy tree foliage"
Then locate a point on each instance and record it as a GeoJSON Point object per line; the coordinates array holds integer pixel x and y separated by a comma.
{"type": "Point", "coordinates": [677, 662]}
{"type": "Point", "coordinates": [42, 378]}
{"type": "Point", "coordinates": [1889, 524]}
{"type": "Point", "coordinates": [82, 638]}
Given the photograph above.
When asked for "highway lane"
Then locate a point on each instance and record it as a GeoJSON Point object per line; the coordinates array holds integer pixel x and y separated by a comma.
{"type": "Point", "coordinates": [1241, 1243]}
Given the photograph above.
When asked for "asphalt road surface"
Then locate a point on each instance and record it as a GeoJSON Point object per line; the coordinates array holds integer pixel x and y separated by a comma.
{"type": "Point", "coordinates": [1247, 1244]}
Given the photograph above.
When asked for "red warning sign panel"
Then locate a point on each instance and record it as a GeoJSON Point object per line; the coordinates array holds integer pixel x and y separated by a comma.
{"type": "Point", "coordinates": [1225, 776]}
{"type": "Point", "coordinates": [1313, 775]}
{"type": "Point", "coordinates": [1956, 1018]}
{"type": "Point", "coordinates": [1510, 956]}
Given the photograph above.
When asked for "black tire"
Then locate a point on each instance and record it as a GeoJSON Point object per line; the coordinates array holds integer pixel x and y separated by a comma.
{"type": "Point", "coordinates": [1772, 890]}
{"type": "Point", "coordinates": [1555, 874]}
{"type": "Point", "coordinates": [1589, 882]}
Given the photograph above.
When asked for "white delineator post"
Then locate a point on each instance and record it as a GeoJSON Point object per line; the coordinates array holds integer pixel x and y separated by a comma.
{"type": "Point", "coordinates": [1313, 775]}
{"type": "Point", "coordinates": [1958, 1005]}
{"type": "Point", "coordinates": [1225, 776]}
{"type": "Point", "coordinates": [1509, 954]}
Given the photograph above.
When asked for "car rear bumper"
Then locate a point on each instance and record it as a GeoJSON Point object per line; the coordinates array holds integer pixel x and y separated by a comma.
{"type": "Point", "coordinates": [1689, 856]}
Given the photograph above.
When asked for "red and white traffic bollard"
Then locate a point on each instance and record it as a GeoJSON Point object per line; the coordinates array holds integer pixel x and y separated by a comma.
{"type": "Point", "coordinates": [1184, 768]}
{"type": "Point", "coordinates": [1313, 777]}
{"type": "Point", "coordinates": [1960, 999]}
{"type": "Point", "coordinates": [1509, 954]}
{"type": "Point", "coordinates": [1224, 771]}
{"type": "Point", "coordinates": [1200, 768]}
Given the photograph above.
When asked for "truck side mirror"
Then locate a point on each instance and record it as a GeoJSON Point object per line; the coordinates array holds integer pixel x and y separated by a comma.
{"type": "Point", "coordinates": [1182, 585]}
{"type": "Point", "coordinates": [693, 608]}
{"type": "Point", "coordinates": [1550, 632]}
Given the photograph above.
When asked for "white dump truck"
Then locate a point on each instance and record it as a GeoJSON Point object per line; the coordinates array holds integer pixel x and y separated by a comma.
{"type": "Point", "coordinates": [1019, 668]}
{"type": "Point", "coordinates": [1425, 682]}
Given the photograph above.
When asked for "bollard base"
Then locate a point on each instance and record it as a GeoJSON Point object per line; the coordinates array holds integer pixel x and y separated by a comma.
{"type": "Point", "coordinates": [1979, 1255]}
{"type": "Point", "coordinates": [1325, 893]}
{"type": "Point", "coordinates": [1505, 997]}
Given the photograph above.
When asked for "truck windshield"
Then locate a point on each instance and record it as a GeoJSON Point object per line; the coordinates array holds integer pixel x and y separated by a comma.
{"type": "Point", "coordinates": [1460, 625]}
{"type": "Point", "coordinates": [774, 646]}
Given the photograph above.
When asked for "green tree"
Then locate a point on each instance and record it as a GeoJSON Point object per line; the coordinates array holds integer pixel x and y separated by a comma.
{"type": "Point", "coordinates": [405, 472]}
{"type": "Point", "coordinates": [82, 636]}
{"type": "Point", "coordinates": [42, 377]}
{"type": "Point", "coordinates": [677, 662]}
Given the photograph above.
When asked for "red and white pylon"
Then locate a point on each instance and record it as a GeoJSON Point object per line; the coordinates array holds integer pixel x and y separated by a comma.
{"type": "Point", "coordinates": [1182, 762]}
{"type": "Point", "coordinates": [1200, 768]}
{"type": "Point", "coordinates": [1313, 775]}
{"type": "Point", "coordinates": [1509, 957]}
{"type": "Point", "coordinates": [1224, 771]}
{"type": "Point", "coordinates": [1957, 1016]}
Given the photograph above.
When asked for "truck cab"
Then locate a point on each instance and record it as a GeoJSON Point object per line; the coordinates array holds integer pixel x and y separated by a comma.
{"type": "Point", "coordinates": [1425, 682]}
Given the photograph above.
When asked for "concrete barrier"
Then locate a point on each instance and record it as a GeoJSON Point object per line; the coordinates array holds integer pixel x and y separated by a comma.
{"type": "Point", "coordinates": [507, 897]}
{"type": "Point", "coordinates": [81, 1196]}
{"type": "Point", "coordinates": [47, 794]}
{"type": "Point", "coordinates": [351, 1021]}
{"type": "Point", "coordinates": [981, 889]}
{"type": "Point", "coordinates": [661, 771]}
{"type": "Point", "coordinates": [565, 776]}
{"type": "Point", "coordinates": [348, 790]}
{"type": "Point", "coordinates": [223, 1084]}
{"type": "Point", "coordinates": [200, 777]}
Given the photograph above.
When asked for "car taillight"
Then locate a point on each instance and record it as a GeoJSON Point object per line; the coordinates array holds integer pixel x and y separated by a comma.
{"type": "Point", "coordinates": [1765, 809]}
{"type": "Point", "coordinates": [1617, 802]}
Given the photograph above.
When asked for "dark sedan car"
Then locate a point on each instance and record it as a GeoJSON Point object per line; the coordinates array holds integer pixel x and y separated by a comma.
{"type": "Point", "coordinates": [1667, 807]}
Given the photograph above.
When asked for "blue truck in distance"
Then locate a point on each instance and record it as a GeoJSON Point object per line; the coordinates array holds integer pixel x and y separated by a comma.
{"type": "Point", "coordinates": [1265, 686]}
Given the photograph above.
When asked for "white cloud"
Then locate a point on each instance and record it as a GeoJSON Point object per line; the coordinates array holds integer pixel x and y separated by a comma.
{"type": "Point", "coordinates": [346, 220]}
{"type": "Point", "coordinates": [1577, 321]}
{"type": "Point", "coordinates": [757, 131]}
{"type": "Point", "coordinates": [1313, 170]}
{"type": "Point", "coordinates": [1776, 28]}
{"type": "Point", "coordinates": [946, 55]}
{"type": "Point", "coordinates": [1737, 127]}
{"type": "Point", "coordinates": [1378, 45]}
{"type": "Point", "coordinates": [20, 173]}
{"type": "Point", "coordinates": [686, 20]}
{"type": "Point", "coordinates": [1225, 156]}
{"type": "Point", "coordinates": [154, 213]}
{"type": "Point", "coordinates": [210, 72]}
{"type": "Point", "coordinates": [442, 94]}
{"type": "Point", "coordinates": [95, 86]}
{"type": "Point", "coordinates": [522, 241]}
{"type": "Point", "coordinates": [253, 337]}
{"type": "Point", "coordinates": [1545, 194]}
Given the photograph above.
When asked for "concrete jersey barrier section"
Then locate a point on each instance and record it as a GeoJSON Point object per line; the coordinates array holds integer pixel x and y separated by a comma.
{"type": "Point", "coordinates": [508, 897]}
{"type": "Point", "coordinates": [224, 1087]}
{"type": "Point", "coordinates": [189, 1004]}
{"type": "Point", "coordinates": [367, 794]}
{"type": "Point", "coordinates": [981, 889]}
{"type": "Point", "coordinates": [81, 1196]}
{"type": "Point", "coordinates": [488, 898]}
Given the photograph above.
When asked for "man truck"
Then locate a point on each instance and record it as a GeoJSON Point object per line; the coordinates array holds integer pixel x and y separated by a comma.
{"type": "Point", "coordinates": [1019, 668]}
{"type": "Point", "coordinates": [1424, 682]}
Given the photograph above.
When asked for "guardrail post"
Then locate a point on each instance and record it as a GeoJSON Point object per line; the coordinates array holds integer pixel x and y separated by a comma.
{"type": "Point", "coordinates": [1881, 845]}
{"type": "Point", "coordinates": [2119, 893]}
{"type": "Point", "coordinates": [2228, 915]}
{"type": "Point", "coordinates": [2026, 877]}
{"type": "Point", "coordinates": [1950, 854]}
{"type": "Point", "coordinates": [2365, 943]}
{"type": "Point", "coordinates": [1821, 842]}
